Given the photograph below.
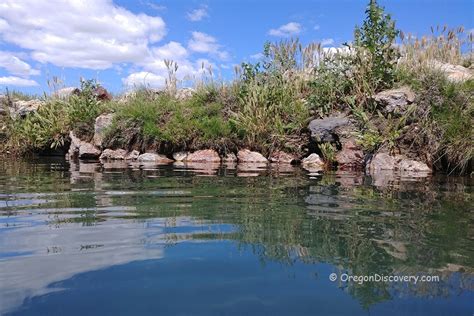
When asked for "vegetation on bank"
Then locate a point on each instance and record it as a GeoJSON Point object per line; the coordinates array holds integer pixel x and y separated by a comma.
{"type": "Point", "coordinates": [269, 104]}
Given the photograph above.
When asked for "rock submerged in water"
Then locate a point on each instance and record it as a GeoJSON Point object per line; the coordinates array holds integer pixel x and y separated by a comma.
{"type": "Point", "coordinates": [206, 155]}
{"type": "Point", "coordinates": [245, 155]}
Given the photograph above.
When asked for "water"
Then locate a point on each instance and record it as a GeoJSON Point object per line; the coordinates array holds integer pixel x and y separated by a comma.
{"type": "Point", "coordinates": [86, 239]}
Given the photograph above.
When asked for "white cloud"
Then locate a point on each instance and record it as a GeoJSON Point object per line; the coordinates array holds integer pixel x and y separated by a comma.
{"type": "Point", "coordinates": [17, 81]}
{"type": "Point", "coordinates": [86, 34]}
{"type": "Point", "coordinates": [257, 56]}
{"type": "Point", "coordinates": [144, 78]}
{"type": "Point", "coordinates": [316, 27]}
{"type": "Point", "coordinates": [286, 30]}
{"type": "Point", "coordinates": [16, 66]}
{"type": "Point", "coordinates": [204, 43]}
{"type": "Point", "coordinates": [197, 14]}
{"type": "Point", "coordinates": [327, 41]}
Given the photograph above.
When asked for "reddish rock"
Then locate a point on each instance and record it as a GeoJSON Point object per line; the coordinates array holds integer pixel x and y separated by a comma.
{"type": "Point", "coordinates": [207, 155]}
{"type": "Point", "coordinates": [102, 94]}
{"type": "Point", "coordinates": [246, 155]}
{"type": "Point", "coordinates": [350, 157]}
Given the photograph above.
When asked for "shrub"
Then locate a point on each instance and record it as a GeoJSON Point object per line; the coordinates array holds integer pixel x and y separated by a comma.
{"type": "Point", "coordinates": [377, 37]}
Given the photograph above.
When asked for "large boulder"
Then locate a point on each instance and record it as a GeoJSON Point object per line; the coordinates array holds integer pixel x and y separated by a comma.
{"type": "Point", "coordinates": [282, 157]}
{"type": "Point", "coordinates": [395, 100]}
{"type": "Point", "coordinates": [102, 122]}
{"type": "Point", "coordinates": [111, 154]}
{"type": "Point", "coordinates": [384, 162]}
{"type": "Point", "coordinates": [245, 155]}
{"type": "Point", "coordinates": [152, 157]}
{"type": "Point", "coordinates": [350, 157]}
{"type": "Point", "coordinates": [325, 129]}
{"type": "Point", "coordinates": [454, 73]}
{"type": "Point", "coordinates": [206, 155]}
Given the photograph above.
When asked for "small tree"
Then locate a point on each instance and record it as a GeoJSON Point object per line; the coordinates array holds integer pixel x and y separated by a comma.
{"type": "Point", "coordinates": [377, 37]}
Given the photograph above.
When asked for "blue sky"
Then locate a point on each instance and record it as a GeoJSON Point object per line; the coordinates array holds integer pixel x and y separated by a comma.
{"type": "Point", "coordinates": [123, 43]}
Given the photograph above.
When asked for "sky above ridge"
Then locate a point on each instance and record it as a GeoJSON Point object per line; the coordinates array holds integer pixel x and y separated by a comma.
{"type": "Point", "coordinates": [124, 43]}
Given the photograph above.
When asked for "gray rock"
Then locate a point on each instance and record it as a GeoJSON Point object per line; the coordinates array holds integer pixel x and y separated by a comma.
{"type": "Point", "coordinates": [324, 130]}
{"type": "Point", "coordinates": [82, 149]}
{"type": "Point", "coordinates": [102, 122]}
{"type": "Point", "coordinates": [413, 165]}
{"type": "Point", "coordinates": [382, 162]}
{"type": "Point", "coordinates": [110, 154]}
{"type": "Point", "coordinates": [313, 159]}
{"type": "Point", "coordinates": [395, 100]}
{"type": "Point", "coordinates": [152, 157]}
{"type": "Point", "coordinates": [133, 155]}
{"type": "Point", "coordinates": [246, 155]}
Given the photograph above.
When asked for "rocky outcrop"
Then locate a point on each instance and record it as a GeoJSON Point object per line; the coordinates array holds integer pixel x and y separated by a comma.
{"type": "Point", "coordinates": [385, 162]}
{"type": "Point", "coordinates": [206, 155]}
{"type": "Point", "coordinates": [21, 109]}
{"type": "Point", "coordinates": [102, 122]}
{"type": "Point", "coordinates": [454, 73]}
{"type": "Point", "coordinates": [283, 157]}
{"type": "Point", "coordinates": [350, 157]}
{"type": "Point", "coordinates": [395, 100]}
{"type": "Point", "coordinates": [246, 156]}
{"type": "Point", "coordinates": [82, 149]}
{"type": "Point", "coordinates": [184, 94]}
{"type": "Point", "coordinates": [152, 157]}
{"type": "Point", "coordinates": [325, 129]}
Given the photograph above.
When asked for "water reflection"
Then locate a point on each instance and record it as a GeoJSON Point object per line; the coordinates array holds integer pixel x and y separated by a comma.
{"type": "Point", "coordinates": [60, 220]}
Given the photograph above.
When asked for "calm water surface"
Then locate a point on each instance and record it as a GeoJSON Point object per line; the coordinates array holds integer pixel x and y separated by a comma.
{"type": "Point", "coordinates": [91, 239]}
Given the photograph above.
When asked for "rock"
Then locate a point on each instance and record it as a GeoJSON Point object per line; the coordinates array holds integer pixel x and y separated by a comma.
{"type": "Point", "coordinates": [184, 94]}
{"type": "Point", "coordinates": [180, 155]}
{"type": "Point", "coordinates": [413, 165]}
{"type": "Point", "coordinates": [207, 155]}
{"type": "Point", "coordinates": [66, 93]}
{"type": "Point", "coordinates": [313, 159]}
{"type": "Point", "coordinates": [454, 73]}
{"type": "Point", "coordinates": [230, 157]}
{"type": "Point", "coordinates": [245, 155]}
{"type": "Point", "coordinates": [381, 161]}
{"type": "Point", "coordinates": [22, 108]}
{"type": "Point", "coordinates": [88, 151]}
{"type": "Point", "coordinates": [102, 94]}
{"type": "Point", "coordinates": [282, 157]}
{"type": "Point", "coordinates": [152, 157]}
{"type": "Point", "coordinates": [133, 155]}
{"type": "Point", "coordinates": [384, 162]}
{"type": "Point", "coordinates": [102, 122]}
{"type": "Point", "coordinates": [110, 154]}
{"type": "Point", "coordinates": [324, 130]}
{"type": "Point", "coordinates": [395, 100]}
{"type": "Point", "coordinates": [350, 157]}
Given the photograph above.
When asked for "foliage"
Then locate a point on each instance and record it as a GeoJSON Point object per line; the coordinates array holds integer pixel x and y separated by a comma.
{"type": "Point", "coordinates": [329, 153]}
{"type": "Point", "coordinates": [377, 37]}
